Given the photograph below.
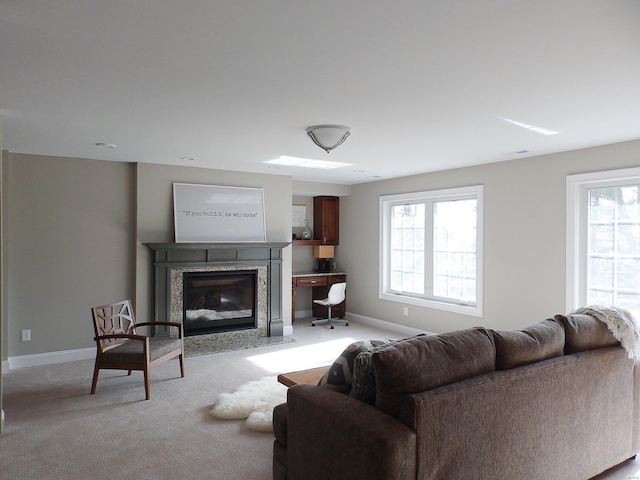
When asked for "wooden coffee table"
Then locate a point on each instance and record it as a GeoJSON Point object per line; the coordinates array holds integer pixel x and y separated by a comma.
{"type": "Point", "coordinates": [312, 376]}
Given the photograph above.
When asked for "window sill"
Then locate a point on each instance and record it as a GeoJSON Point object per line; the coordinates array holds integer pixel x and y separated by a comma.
{"type": "Point", "coordinates": [472, 310]}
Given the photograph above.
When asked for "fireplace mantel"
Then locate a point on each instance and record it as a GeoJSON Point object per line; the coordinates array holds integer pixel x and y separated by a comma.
{"type": "Point", "coordinates": [176, 256]}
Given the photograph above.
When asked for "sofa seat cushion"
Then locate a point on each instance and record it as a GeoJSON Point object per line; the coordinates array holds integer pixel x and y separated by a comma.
{"type": "Point", "coordinates": [340, 374]}
{"type": "Point", "coordinates": [584, 332]}
{"type": "Point", "coordinates": [428, 362]}
{"type": "Point", "coordinates": [532, 344]}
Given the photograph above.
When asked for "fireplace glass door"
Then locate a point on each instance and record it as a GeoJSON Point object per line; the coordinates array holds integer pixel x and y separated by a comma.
{"type": "Point", "coordinates": [219, 301]}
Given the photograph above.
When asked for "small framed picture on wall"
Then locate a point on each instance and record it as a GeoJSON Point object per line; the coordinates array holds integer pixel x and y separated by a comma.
{"type": "Point", "coordinates": [298, 215]}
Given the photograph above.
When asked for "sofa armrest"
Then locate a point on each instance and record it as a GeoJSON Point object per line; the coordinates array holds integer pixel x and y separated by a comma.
{"type": "Point", "coordinates": [331, 435]}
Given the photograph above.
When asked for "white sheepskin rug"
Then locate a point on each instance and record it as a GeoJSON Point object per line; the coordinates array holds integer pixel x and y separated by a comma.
{"type": "Point", "coordinates": [254, 401]}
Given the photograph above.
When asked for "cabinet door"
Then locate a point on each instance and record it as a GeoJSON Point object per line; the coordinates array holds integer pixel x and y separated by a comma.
{"type": "Point", "coordinates": [326, 219]}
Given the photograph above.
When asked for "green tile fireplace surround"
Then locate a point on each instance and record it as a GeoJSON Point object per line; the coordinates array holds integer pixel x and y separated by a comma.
{"type": "Point", "coordinates": [172, 260]}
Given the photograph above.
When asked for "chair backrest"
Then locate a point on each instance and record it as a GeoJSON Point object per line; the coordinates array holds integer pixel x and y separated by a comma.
{"type": "Point", "coordinates": [110, 319]}
{"type": "Point", "coordinates": [337, 293]}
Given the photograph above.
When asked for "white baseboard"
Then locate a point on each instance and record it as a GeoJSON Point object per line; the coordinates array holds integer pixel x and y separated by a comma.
{"type": "Point", "coordinates": [384, 325]}
{"type": "Point", "coordinates": [49, 358]}
{"type": "Point", "coordinates": [304, 313]}
{"type": "Point", "coordinates": [372, 322]}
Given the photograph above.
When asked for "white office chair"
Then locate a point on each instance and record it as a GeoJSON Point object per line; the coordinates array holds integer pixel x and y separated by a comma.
{"type": "Point", "coordinates": [335, 297]}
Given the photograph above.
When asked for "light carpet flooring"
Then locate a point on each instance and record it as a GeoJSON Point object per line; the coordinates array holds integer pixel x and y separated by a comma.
{"type": "Point", "coordinates": [56, 430]}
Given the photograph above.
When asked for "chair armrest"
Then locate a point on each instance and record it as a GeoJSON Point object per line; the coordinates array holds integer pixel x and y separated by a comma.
{"type": "Point", "coordinates": [332, 435]}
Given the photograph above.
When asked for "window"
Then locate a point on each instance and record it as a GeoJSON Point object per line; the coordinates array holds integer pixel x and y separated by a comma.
{"type": "Point", "coordinates": [603, 240]}
{"type": "Point", "coordinates": [431, 249]}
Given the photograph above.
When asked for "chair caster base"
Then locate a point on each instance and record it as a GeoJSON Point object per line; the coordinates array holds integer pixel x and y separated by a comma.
{"type": "Point", "coordinates": [331, 327]}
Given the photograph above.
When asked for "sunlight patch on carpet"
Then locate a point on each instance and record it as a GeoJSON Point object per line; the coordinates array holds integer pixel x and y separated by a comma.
{"type": "Point", "coordinates": [308, 356]}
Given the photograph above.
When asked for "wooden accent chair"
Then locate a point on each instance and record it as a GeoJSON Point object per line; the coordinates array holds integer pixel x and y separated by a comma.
{"type": "Point", "coordinates": [120, 347]}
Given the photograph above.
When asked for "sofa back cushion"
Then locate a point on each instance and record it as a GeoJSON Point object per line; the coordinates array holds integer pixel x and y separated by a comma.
{"type": "Point", "coordinates": [363, 384]}
{"type": "Point", "coordinates": [584, 332]}
{"type": "Point", "coordinates": [538, 342]}
{"type": "Point", "coordinates": [339, 376]}
{"type": "Point", "coordinates": [428, 362]}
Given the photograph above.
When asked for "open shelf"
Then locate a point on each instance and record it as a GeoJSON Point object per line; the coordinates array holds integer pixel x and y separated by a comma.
{"type": "Point", "coordinates": [307, 242]}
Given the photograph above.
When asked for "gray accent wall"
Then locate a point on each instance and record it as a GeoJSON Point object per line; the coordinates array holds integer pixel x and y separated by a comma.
{"type": "Point", "coordinates": [524, 237]}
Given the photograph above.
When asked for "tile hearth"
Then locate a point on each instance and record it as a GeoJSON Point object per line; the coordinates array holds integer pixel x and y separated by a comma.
{"type": "Point", "coordinates": [204, 346]}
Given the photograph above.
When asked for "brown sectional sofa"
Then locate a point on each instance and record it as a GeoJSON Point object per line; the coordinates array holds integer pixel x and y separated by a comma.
{"type": "Point", "coordinates": [558, 400]}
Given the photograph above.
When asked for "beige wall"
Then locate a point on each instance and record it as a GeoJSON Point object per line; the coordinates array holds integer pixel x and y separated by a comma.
{"type": "Point", "coordinates": [524, 237]}
{"type": "Point", "coordinates": [3, 336]}
{"type": "Point", "coordinates": [303, 260]}
{"type": "Point", "coordinates": [70, 234]}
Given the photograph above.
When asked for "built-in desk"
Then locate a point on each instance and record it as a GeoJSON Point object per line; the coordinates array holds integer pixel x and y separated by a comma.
{"type": "Point", "coordinates": [320, 282]}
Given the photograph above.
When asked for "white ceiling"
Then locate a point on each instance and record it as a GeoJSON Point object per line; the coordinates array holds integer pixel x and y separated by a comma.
{"type": "Point", "coordinates": [423, 84]}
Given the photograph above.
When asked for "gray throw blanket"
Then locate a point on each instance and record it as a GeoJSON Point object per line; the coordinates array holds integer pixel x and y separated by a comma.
{"type": "Point", "coordinates": [620, 323]}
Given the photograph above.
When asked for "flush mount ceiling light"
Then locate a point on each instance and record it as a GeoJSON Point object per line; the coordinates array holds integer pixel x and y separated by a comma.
{"type": "Point", "coordinates": [328, 137]}
{"type": "Point", "coordinates": [106, 145]}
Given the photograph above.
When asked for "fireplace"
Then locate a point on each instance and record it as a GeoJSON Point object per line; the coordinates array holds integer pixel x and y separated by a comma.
{"type": "Point", "coordinates": [252, 319]}
{"type": "Point", "coordinates": [219, 301]}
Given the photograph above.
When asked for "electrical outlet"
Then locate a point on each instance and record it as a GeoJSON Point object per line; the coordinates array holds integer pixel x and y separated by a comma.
{"type": "Point", "coordinates": [26, 335]}
{"type": "Point", "coordinates": [405, 312]}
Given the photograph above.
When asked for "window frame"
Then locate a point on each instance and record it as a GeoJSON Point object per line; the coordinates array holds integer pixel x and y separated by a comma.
{"type": "Point", "coordinates": [577, 187]}
{"type": "Point", "coordinates": [460, 193]}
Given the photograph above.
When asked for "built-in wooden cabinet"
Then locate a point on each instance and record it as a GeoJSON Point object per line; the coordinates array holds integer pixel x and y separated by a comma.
{"type": "Point", "coordinates": [326, 220]}
{"type": "Point", "coordinates": [320, 283]}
